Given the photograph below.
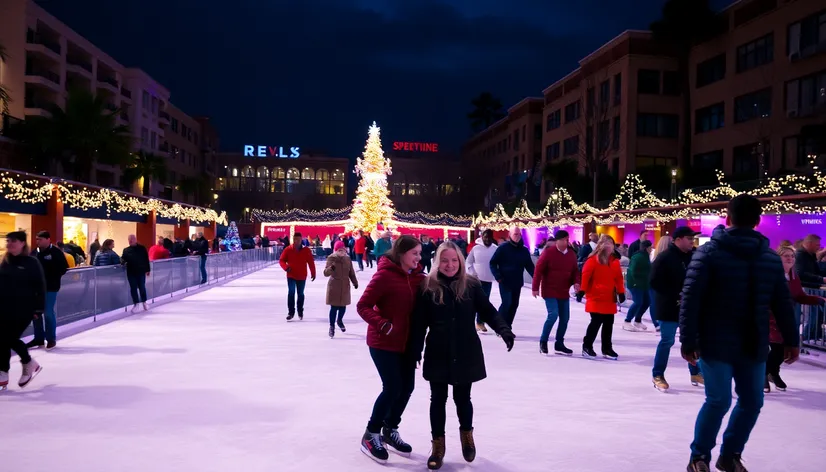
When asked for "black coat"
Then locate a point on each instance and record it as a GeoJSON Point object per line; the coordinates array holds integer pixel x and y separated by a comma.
{"type": "Point", "coordinates": [453, 353]}
{"type": "Point", "coordinates": [667, 277]}
{"type": "Point", "coordinates": [731, 284]}
{"type": "Point", "coordinates": [136, 260]}
{"type": "Point", "coordinates": [807, 268]}
{"type": "Point", "coordinates": [54, 266]}
{"type": "Point", "coordinates": [22, 287]}
{"type": "Point", "coordinates": [509, 263]}
{"type": "Point", "coordinates": [428, 250]}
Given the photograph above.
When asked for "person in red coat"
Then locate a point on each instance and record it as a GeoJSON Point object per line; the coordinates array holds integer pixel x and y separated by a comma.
{"type": "Point", "coordinates": [158, 252]}
{"type": "Point", "coordinates": [776, 344]}
{"type": "Point", "coordinates": [360, 248]}
{"type": "Point", "coordinates": [386, 305]}
{"type": "Point", "coordinates": [556, 270]}
{"type": "Point", "coordinates": [295, 259]}
{"type": "Point", "coordinates": [603, 284]}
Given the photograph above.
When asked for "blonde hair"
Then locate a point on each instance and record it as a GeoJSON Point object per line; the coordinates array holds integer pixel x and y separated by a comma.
{"type": "Point", "coordinates": [783, 249]}
{"type": "Point", "coordinates": [783, 243]}
{"type": "Point", "coordinates": [599, 251]}
{"type": "Point", "coordinates": [459, 286]}
{"type": "Point", "coordinates": [662, 245]}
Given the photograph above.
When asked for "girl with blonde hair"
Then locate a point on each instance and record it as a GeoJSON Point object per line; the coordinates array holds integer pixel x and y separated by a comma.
{"type": "Point", "coordinates": [446, 311]}
{"type": "Point", "coordinates": [603, 285]}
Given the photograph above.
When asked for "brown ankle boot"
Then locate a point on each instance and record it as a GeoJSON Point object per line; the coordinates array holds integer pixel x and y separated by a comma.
{"type": "Point", "coordinates": [468, 446]}
{"type": "Point", "coordinates": [437, 457]}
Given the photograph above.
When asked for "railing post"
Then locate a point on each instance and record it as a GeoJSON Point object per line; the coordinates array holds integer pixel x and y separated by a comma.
{"type": "Point", "coordinates": [95, 279]}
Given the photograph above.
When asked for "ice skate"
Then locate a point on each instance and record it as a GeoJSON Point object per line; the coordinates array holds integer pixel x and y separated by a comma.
{"type": "Point", "coordinates": [332, 331]}
{"type": "Point", "coordinates": [778, 382]}
{"type": "Point", "coordinates": [660, 383]}
{"type": "Point", "coordinates": [610, 354]}
{"type": "Point", "coordinates": [372, 447]}
{"type": "Point", "coordinates": [697, 380]}
{"type": "Point", "coordinates": [468, 445]}
{"type": "Point", "coordinates": [588, 352]}
{"type": "Point", "coordinates": [628, 326]}
{"type": "Point", "coordinates": [300, 316]}
{"type": "Point", "coordinates": [640, 326]}
{"type": "Point", "coordinates": [341, 326]}
{"type": "Point", "coordinates": [35, 344]}
{"type": "Point", "coordinates": [4, 380]}
{"type": "Point", "coordinates": [135, 308]}
{"type": "Point", "coordinates": [30, 371]}
{"type": "Point", "coordinates": [560, 349]}
{"type": "Point", "coordinates": [390, 437]}
{"type": "Point", "coordinates": [731, 464]}
{"type": "Point", "coordinates": [290, 316]}
{"type": "Point", "coordinates": [481, 327]}
{"type": "Point", "coordinates": [543, 347]}
{"type": "Point", "coordinates": [437, 456]}
{"type": "Point", "coordinates": [767, 388]}
{"type": "Point", "coordinates": [51, 345]}
{"type": "Point", "coordinates": [145, 308]}
{"type": "Point", "coordinates": [698, 464]}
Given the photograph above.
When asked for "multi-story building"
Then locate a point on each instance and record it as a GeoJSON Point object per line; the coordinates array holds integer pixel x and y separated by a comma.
{"type": "Point", "coordinates": [500, 162]}
{"type": "Point", "coordinates": [429, 181]}
{"type": "Point", "coordinates": [46, 59]}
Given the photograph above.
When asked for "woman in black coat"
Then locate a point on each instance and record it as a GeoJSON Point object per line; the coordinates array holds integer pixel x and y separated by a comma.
{"type": "Point", "coordinates": [23, 291]}
{"type": "Point", "coordinates": [447, 306]}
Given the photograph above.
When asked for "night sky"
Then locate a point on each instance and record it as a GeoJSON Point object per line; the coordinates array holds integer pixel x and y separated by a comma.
{"type": "Point", "coordinates": [316, 73]}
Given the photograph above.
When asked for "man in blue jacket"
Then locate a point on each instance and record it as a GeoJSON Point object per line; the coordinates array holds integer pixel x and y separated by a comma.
{"type": "Point", "coordinates": [508, 266]}
{"type": "Point", "coordinates": [732, 283]}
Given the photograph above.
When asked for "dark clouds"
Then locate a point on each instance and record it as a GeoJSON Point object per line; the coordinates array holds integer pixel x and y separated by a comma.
{"type": "Point", "coordinates": [316, 73]}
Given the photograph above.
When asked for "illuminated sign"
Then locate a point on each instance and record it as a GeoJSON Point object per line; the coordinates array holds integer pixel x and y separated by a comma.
{"type": "Point", "coordinates": [421, 147]}
{"type": "Point", "coordinates": [271, 151]}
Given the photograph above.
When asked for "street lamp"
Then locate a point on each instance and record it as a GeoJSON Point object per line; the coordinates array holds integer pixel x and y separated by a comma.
{"type": "Point", "coordinates": [673, 184]}
{"type": "Point", "coordinates": [555, 198]}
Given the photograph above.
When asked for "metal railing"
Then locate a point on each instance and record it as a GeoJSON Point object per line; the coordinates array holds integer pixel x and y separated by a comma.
{"type": "Point", "coordinates": [813, 322]}
{"type": "Point", "coordinates": [86, 292]}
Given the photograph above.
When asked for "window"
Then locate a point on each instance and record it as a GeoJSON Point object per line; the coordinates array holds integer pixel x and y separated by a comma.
{"type": "Point", "coordinates": [653, 125]}
{"type": "Point", "coordinates": [572, 112]}
{"type": "Point", "coordinates": [709, 118]}
{"type": "Point", "coordinates": [648, 81]}
{"type": "Point", "coordinates": [805, 36]}
{"type": "Point", "coordinates": [552, 152]}
{"type": "Point", "coordinates": [708, 161]}
{"type": "Point", "coordinates": [195, 138]}
{"type": "Point", "coordinates": [516, 139]}
{"type": "Point", "coordinates": [144, 137]}
{"type": "Point", "coordinates": [615, 141]}
{"type": "Point", "coordinates": [747, 160]}
{"type": "Point", "coordinates": [145, 100]}
{"type": "Point", "coordinates": [711, 71]}
{"type": "Point", "coordinates": [307, 174]}
{"type": "Point", "coordinates": [414, 189]}
{"type": "Point", "coordinates": [537, 131]}
{"type": "Point", "coordinates": [524, 132]}
{"type": "Point", "coordinates": [671, 83]}
{"type": "Point", "coordinates": [805, 95]}
{"type": "Point", "coordinates": [570, 146]}
{"type": "Point", "coordinates": [174, 124]}
{"type": "Point", "coordinates": [398, 189]}
{"type": "Point", "coordinates": [183, 156]}
{"type": "Point", "coordinates": [647, 161]}
{"type": "Point", "coordinates": [798, 150]}
{"type": "Point", "coordinates": [554, 120]}
{"type": "Point", "coordinates": [617, 89]}
{"type": "Point", "coordinates": [589, 142]}
{"type": "Point", "coordinates": [515, 165]}
{"type": "Point", "coordinates": [589, 102]}
{"type": "Point", "coordinates": [292, 179]}
{"type": "Point", "coordinates": [184, 130]}
{"type": "Point", "coordinates": [753, 105]}
{"type": "Point", "coordinates": [277, 181]}
{"type": "Point", "coordinates": [755, 53]}
{"type": "Point", "coordinates": [154, 105]}
{"type": "Point", "coordinates": [603, 136]}
{"type": "Point", "coordinates": [604, 94]}
{"type": "Point", "coordinates": [153, 140]}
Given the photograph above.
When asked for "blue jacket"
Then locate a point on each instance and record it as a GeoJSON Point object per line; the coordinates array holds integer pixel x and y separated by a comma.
{"type": "Point", "coordinates": [731, 284]}
{"type": "Point", "coordinates": [381, 247]}
{"type": "Point", "coordinates": [509, 263]}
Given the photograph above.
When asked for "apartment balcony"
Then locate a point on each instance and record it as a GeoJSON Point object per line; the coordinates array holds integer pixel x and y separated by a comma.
{"type": "Point", "coordinates": [43, 77]}
{"type": "Point", "coordinates": [110, 107]}
{"type": "Point", "coordinates": [163, 119]}
{"type": "Point", "coordinates": [79, 67]}
{"type": "Point", "coordinates": [109, 83]}
{"type": "Point", "coordinates": [37, 106]}
{"type": "Point", "coordinates": [126, 93]}
{"type": "Point", "coordinates": [42, 45]}
{"type": "Point", "coordinates": [124, 116]}
{"type": "Point", "coordinates": [164, 148]}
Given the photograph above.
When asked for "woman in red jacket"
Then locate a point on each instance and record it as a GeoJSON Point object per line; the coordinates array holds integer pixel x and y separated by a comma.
{"type": "Point", "coordinates": [360, 248]}
{"type": "Point", "coordinates": [602, 283]}
{"type": "Point", "coordinates": [777, 354]}
{"type": "Point", "coordinates": [386, 306]}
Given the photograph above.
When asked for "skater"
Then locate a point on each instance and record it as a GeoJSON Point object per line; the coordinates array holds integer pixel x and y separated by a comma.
{"type": "Point", "coordinates": [776, 354]}
{"type": "Point", "coordinates": [428, 249]}
{"type": "Point", "coordinates": [54, 266]}
{"type": "Point", "coordinates": [637, 277]}
{"type": "Point", "coordinates": [732, 282]}
{"type": "Point", "coordinates": [294, 260]}
{"type": "Point", "coordinates": [383, 245]}
{"type": "Point", "coordinates": [23, 291]}
{"type": "Point", "coordinates": [667, 277]}
{"type": "Point", "coordinates": [603, 285]}
{"type": "Point", "coordinates": [340, 271]}
{"type": "Point", "coordinates": [368, 250]}
{"type": "Point", "coordinates": [360, 248]}
{"type": "Point", "coordinates": [386, 306]}
{"type": "Point", "coordinates": [136, 259]}
{"type": "Point", "coordinates": [556, 271]}
{"type": "Point", "coordinates": [508, 266]}
{"type": "Point", "coordinates": [478, 265]}
{"type": "Point", "coordinates": [446, 310]}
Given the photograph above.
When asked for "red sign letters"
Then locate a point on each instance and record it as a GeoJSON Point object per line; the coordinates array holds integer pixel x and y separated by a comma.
{"type": "Point", "coordinates": [420, 147]}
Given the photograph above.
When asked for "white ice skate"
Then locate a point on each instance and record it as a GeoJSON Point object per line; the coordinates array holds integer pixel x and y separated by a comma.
{"type": "Point", "coordinates": [30, 371]}
{"type": "Point", "coordinates": [627, 326]}
{"type": "Point", "coordinates": [4, 380]}
{"type": "Point", "coordinates": [145, 308]}
{"type": "Point", "coordinates": [640, 326]}
{"type": "Point", "coordinates": [135, 308]}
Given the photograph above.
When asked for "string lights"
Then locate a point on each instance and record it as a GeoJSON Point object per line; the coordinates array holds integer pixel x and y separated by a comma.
{"type": "Point", "coordinates": [372, 204]}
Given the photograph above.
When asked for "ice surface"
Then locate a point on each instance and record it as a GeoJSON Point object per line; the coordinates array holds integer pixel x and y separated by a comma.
{"type": "Point", "coordinates": [220, 381]}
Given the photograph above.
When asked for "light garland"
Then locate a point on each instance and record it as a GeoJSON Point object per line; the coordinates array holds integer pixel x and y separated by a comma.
{"type": "Point", "coordinates": [33, 191]}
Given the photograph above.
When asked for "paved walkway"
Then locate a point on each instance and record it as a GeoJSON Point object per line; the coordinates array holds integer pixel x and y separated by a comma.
{"type": "Point", "coordinates": [220, 382]}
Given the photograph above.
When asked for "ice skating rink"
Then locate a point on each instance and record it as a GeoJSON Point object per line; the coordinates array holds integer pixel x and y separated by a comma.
{"type": "Point", "coordinates": [221, 382]}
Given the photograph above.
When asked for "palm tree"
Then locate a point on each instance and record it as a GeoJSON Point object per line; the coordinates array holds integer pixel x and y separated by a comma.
{"type": "Point", "coordinates": [81, 134]}
{"type": "Point", "coordinates": [487, 110]}
{"type": "Point", "coordinates": [200, 186]}
{"type": "Point", "coordinates": [5, 99]}
{"type": "Point", "coordinates": [684, 24]}
{"type": "Point", "coordinates": [145, 168]}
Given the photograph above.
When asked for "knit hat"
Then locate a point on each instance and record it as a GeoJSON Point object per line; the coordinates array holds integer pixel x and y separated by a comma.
{"type": "Point", "coordinates": [17, 236]}
{"type": "Point", "coordinates": [338, 245]}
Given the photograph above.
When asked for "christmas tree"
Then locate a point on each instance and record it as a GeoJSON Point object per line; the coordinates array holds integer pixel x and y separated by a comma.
{"type": "Point", "coordinates": [372, 204]}
{"type": "Point", "coordinates": [231, 239]}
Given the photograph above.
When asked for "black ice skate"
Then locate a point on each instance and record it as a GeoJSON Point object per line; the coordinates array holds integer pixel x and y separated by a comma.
{"type": "Point", "coordinates": [332, 331]}
{"type": "Point", "coordinates": [341, 326]}
{"type": "Point", "coordinates": [731, 464]}
{"type": "Point", "coordinates": [543, 347]}
{"type": "Point", "coordinates": [300, 316]}
{"type": "Point", "coordinates": [390, 437]}
{"type": "Point", "coordinates": [290, 316]}
{"type": "Point", "coordinates": [588, 352]}
{"type": "Point", "coordinates": [778, 382]}
{"type": "Point", "coordinates": [372, 447]}
{"type": "Point", "coordinates": [559, 348]}
{"type": "Point", "coordinates": [698, 464]}
{"type": "Point", "coordinates": [610, 354]}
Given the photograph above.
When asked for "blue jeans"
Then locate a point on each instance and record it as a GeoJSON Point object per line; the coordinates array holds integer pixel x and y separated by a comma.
{"type": "Point", "coordinates": [360, 260]}
{"type": "Point", "coordinates": [668, 330]}
{"type": "Point", "coordinates": [336, 314]}
{"type": "Point", "coordinates": [640, 301]}
{"type": "Point", "coordinates": [203, 269]}
{"type": "Point", "coordinates": [137, 287]}
{"type": "Point", "coordinates": [293, 286]}
{"type": "Point", "coordinates": [557, 308]}
{"type": "Point", "coordinates": [49, 318]}
{"type": "Point", "coordinates": [486, 287]}
{"type": "Point", "coordinates": [652, 296]}
{"type": "Point", "coordinates": [748, 379]}
{"type": "Point", "coordinates": [510, 302]}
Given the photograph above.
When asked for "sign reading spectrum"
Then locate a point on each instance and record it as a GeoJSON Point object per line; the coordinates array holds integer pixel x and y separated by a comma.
{"type": "Point", "coordinates": [420, 147]}
{"type": "Point", "coordinates": [271, 151]}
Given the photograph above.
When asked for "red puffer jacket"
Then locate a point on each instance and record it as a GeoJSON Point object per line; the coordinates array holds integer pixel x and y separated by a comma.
{"type": "Point", "coordinates": [799, 296]}
{"type": "Point", "coordinates": [555, 272]}
{"type": "Point", "coordinates": [390, 296]}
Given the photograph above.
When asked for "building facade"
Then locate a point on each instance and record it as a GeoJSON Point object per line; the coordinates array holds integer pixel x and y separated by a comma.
{"type": "Point", "coordinates": [307, 181]}
{"type": "Point", "coordinates": [427, 181]}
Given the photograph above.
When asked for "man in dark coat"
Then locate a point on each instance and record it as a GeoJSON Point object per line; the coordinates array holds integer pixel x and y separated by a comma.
{"type": "Point", "coordinates": [136, 259]}
{"type": "Point", "coordinates": [54, 266]}
{"type": "Point", "coordinates": [200, 248]}
{"type": "Point", "coordinates": [635, 246]}
{"type": "Point", "coordinates": [732, 283]}
{"type": "Point", "coordinates": [508, 265]}
{"type": "Point", "coordinates": [586, 249]}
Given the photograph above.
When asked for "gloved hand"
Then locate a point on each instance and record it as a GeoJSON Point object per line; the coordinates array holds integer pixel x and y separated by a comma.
{"type": "Point", "coordinates": [288, 269]}
{"type": "Point", "coordinates": [385, 328]}
{"type": "Point", "coordinates": [621, 297]}
{"type": "Point", "coordinates": [690, 353]}
{"type": "Point", "coordinates": [312, 279]}
{"type": "Point", "coordinates": [509, 338]}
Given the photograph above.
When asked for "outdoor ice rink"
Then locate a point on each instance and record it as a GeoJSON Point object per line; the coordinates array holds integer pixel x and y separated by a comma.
{"type": "Point", "coordinates": [221, 382]}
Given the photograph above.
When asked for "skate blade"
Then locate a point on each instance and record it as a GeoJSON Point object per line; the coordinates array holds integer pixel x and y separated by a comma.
{"type": "Point", "coordinates": [610, 358]}
{"type": "Point", "coordinates": [588, 356]}
{"type": "Point", "coordinates": [34, 374]}
{"type": "Point", "coordinates": [663, 390]}
{"type": "Point", "coordinates": [3, 388]}
{"type": "Point", "coordinates": [397, 452]}
{"type": "Point", "coordinates": [560, 353]}
{"type": "Point", "coordinates": [367, 453]}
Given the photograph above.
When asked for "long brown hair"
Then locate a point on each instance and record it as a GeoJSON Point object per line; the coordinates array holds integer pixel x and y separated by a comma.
{"type": "Point", "coordinates": [459, 286]}
{"type": "Point", "coordinates": [400, 246]}
{"type": "Point", "coordinates": [599, 251]}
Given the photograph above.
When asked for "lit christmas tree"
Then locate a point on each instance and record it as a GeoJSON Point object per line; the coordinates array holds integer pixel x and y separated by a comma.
{"type": "Point", "coordinates": [231, 239]}
{"type": "Point", "coordinates": [372, 204]}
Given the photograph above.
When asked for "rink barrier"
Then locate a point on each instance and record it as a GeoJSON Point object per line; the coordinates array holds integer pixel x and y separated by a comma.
{"type": "Point", "coordinates": [87, 293]}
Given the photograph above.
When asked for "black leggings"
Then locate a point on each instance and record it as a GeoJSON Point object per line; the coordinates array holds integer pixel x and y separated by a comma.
{"type": "Point", "coordinates": [398, 378]}
{"type": "Point", "coordinates": [336, 314]}
{"type": "Point", "coordinates": [438, 402]}
{"type": "Point", "coordinates": [775, 359]}
{"type": "Point", "coordinates": [606, 322]}
{"type": "Point", "coordinates": [11, 328]}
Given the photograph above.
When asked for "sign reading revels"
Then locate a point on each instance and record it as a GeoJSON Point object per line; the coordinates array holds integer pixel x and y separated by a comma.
{"type": "Point", "coordinates": [271, 151]}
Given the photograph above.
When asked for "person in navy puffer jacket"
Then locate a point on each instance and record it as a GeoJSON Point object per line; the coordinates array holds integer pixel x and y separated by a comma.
{"type": "Point", "coordinates": [731, 284]}
{"type": "Point", "coordinates": [508, 265]}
